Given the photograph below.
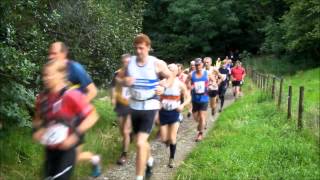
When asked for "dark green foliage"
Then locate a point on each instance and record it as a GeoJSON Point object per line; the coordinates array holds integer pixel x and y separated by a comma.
{"type": "Point", "coordinates": [183, 29]}
{"type": "Point", "coordinates": [97, 32]}
{"type": "Point", "coordinates": [186, 29]}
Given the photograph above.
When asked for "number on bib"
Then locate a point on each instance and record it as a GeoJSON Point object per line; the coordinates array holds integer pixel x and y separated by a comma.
{"type": "Point", "coordinates": [199, 87]}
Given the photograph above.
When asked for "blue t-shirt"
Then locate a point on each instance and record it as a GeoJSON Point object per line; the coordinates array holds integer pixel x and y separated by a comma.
{"type": "Point", "coordinates": [77, 75]}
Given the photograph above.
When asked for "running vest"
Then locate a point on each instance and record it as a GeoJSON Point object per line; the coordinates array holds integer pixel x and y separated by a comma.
{"type": "Point", "coordinates": [200, 87]}
{"type": "Point", "coordinates": [213, 84]}
{"type": "Point", "coordinates": [122, 93]}
{"type": "Point", "coordinates": [170, 100]}
{"type": "Point", "coordinates": [142, 91]}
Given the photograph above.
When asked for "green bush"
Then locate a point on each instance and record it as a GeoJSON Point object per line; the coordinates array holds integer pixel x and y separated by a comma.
{"type": "Point", "coordinates": [97, 32]}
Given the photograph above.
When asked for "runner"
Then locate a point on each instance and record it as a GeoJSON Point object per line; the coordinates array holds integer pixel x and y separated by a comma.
{"type": "Point", "coordinates": [191, 69]}
{"type": "Point", "coordinates": [214, 81]}
{"type": "Point", "coordinates": [238, 73]}
{"type": "Point", "coordinates": [120, 99]}
{"type": "Point", "coordinates": [170, 111]}
{"type": "Point", "coordinates": [183, 78]}
{"type": "Point", "coordinates": [62, 115]}
{"type": "Point", "coordinates": [208, 64]}
{"type": "Point", "coordinates": [199, 84]}
{"type": "Point", "coordinates": [143, 74]}
{"type": "Point", "coordinates": [224, 83]}
{"type": "Point", "coordinates": [218, 63]}
{"type": "Point", "coordinates": [77, 77]}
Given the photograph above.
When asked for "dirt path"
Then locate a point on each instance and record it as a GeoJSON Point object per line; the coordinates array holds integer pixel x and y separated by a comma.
{"type": "Point", "coordinates": [185, 144]}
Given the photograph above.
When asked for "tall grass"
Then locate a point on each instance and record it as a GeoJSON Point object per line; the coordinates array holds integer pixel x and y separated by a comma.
{"type": "Point", "coordinates": [253, 140]}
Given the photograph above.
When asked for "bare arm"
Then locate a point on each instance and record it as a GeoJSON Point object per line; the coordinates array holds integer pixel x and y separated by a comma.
{"type": "Point", "coordinates": [91, 92]}
{"type": "Point", "coordinates": [163, 70]}
{"type": "Point", "coordinates": [88, 122]}
{"type": "Point", "coordinates": [186, 94]}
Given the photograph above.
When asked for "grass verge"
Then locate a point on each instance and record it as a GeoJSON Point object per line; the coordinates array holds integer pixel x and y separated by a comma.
{"type": "Point", "coordinates": [253, 140]}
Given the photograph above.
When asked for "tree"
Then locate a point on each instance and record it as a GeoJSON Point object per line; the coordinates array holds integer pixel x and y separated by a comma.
{"type": "Point", "coordinates": [96, 31]}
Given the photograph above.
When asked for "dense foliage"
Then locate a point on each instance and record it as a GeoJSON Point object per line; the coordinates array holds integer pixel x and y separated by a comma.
{"type": "Point", "coordinates": [97, 32]}
{"type": "Point", "coordinates": [188, 28]}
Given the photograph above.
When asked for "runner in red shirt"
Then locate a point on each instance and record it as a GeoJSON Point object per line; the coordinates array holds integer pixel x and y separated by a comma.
{"type": "Point", "coordinates": [237, 73]}
{"type": "Point", "coordinates": [62, 116]}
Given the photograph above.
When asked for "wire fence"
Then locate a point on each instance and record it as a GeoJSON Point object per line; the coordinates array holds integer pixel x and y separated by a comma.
{"type": "Point", "coordinates": [289, 98]}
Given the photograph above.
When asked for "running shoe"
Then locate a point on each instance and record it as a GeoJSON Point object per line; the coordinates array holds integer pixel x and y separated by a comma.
{"type": "Point", "coordinates": [148, 172]}
{"type": "Point", "coordinates": [96, 170]}
{"type": "Point", "coordinates": [199, 137]}
{"type": "Point", "coordinates": [189, 114]}
{"type": "Point", "coordinates": [171, 163]}
{"type": "Point", "coordinates": [122, 160]}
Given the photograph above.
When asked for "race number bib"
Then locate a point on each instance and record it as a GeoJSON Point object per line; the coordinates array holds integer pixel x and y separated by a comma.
{"type": "Point", "coordinates": [142, 94]}
{"type": "Point", "coordinates": [170, 104]}
{"type": "Point", "coordinates": [125, 92]}
{"type": "Point", "coordinates": [200, 87]}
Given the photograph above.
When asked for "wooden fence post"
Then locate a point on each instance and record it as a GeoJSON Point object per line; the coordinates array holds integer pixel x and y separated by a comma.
{"type": "Point", "coordinates": [267, 85]}
{"type": "Point", "coordinates": [280, 93]}
{"type": "Point", "coordinates": [300, 110]}
{"type": "Point", "coordinates": [273, 87]}
{"type": "Point", "coordinates": [289, 101]}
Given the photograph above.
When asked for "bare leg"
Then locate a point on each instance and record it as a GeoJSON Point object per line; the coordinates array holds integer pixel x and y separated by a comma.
{"type": "Point", "coordinates": [143, 153]}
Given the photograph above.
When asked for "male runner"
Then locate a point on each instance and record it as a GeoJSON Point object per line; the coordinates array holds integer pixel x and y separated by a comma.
{"type": "Point", "coordinates": [56, 106]}
{"type": "Point", "coordinates": [143, 74]}
{"type": "Point", "coordinates": [237, 73]}
{"type": "Point", "coordinates": [170, 111]}
{"type": "Point", "coordinates": [199, 84]}
{"type": "Point", "coordinates": [77, 76]}
{"type": "Point", "coordinates": [120, 99]}
{"type": "Point", "coordinates": [208, 64]}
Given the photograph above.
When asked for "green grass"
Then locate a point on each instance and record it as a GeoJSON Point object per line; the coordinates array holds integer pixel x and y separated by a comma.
{"type": "Point", "coordinates": [310, 79]}
{"type": "Point", "coordinates": [21, 158]}
{"type": "Point", "coordinates": [253, 140]}
{"type": "Point", "coordinates": [295, 73]}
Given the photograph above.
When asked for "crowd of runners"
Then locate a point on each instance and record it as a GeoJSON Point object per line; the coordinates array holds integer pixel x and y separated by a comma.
{"type": "Point", "coordinates": [145, 92]}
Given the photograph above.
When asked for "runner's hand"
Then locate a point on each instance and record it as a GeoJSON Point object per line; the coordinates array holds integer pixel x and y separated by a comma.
{"type": "Point", "coordinates": [129, 81]}
{"type": "Point", "coordinates": [69, 142]}
{"type": "Point", "coordinates": [38, 134]}
{"type": "Point", "coordinates": [159, 90]}
{"type": "Point", "coordinates": [180, 108]}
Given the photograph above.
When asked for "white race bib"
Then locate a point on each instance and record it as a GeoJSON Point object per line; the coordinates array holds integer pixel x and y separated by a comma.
{"type": "Point", "coordinates": [125, 92]}
{"type": "Point", "coordinates": [199, 87]}
{"type": "Point", "coordinates": [141, 94]}
{"type": "Point", "coordinates": [170, 105]}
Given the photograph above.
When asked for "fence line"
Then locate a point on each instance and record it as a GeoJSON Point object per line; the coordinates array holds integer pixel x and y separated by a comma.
{"type": "Point", "coordinates": [263, 82]}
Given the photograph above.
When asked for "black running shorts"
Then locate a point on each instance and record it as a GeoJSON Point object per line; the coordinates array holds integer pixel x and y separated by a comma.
{"type": "Point", "coordinates": [122, 110]}
{"type": "Point", "coordinates": [236, 83]}
{"type": "Point", "coordinates": [142, 120]}
{"type": "Point", "coordinates": [199, 106]}
{"type": "Point", "coordinates": [212, 93]}
{"type": "Point", "coordinates": [59, 164]}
